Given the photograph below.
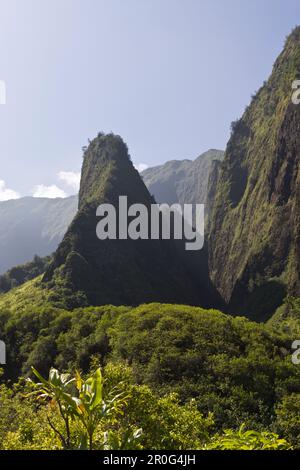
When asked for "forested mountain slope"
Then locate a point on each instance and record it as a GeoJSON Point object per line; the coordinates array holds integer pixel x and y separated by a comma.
{"type": "Point", "coordinates": [254, 242]}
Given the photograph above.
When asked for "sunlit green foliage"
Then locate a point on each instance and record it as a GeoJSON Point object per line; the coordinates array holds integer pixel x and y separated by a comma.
{"type": "Point", "coordinates": [247, 440]}
{"type": "Point", "coordinates": [81, 402]}
{"type": "Point", "coordinates": [238, 370]}
{"type": "Point", "coordinates": [110, 412]}
{"type": "Point", "coordinates": [288, 419]}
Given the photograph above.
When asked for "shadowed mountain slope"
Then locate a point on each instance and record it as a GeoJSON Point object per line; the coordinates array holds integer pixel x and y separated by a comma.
{"type": "Point", "coordinates": [87, 270]}
{"type": "Point", "coordinates": [254, 245]}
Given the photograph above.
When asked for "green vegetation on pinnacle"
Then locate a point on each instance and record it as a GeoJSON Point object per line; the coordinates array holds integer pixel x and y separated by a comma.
{"type": "Point", "coordinates": [254, 242]}
{"type": "Point", "coordinates": [89, 271]}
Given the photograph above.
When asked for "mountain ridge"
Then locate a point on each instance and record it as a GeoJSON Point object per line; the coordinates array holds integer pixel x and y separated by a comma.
{"type": "Point", "coordinates": [181, 181]}
{"type": "Point", "coordinates": [254, 263]}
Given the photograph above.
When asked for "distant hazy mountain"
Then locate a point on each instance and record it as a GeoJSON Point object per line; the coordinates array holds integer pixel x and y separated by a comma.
{"type": "Point", "coordinates": [32, 226]}
{"type": "Point", "coordinates": [183, 181]}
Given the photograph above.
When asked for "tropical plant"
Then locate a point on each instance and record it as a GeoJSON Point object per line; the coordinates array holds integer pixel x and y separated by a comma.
{"type": "Point", "coordinates": [247, 440]}
{"type": "Point", "coordinates": [82, 402]}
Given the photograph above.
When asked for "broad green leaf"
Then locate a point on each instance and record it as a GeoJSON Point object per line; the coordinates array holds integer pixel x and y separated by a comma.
{"type": "Point", "coordinates": [38, 375]}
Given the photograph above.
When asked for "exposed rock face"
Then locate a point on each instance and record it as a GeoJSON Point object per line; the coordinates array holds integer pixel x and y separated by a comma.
{"type": "Point", "coordinates": [254, 243]}
{"type": "Point", "coordinates": [213, 179]}
{"type": "Point", "coordinates": [87, 270]}
{"type": "Point", "coordinates": [182, 181]}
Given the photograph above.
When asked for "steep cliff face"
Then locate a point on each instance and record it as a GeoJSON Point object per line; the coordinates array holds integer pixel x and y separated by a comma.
{"type": "Point", "coordinates": [254, 242]}
{"type": "Point", "coordinates": [87, 270]}
{"type": "Point", "coordinates": [212, 184]}
{"type": "Point", "coordinates": [182, 181]}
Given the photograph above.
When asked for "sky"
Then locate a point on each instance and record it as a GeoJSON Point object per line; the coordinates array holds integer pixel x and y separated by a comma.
{"type": "Point", "coordinates": [169, 76]}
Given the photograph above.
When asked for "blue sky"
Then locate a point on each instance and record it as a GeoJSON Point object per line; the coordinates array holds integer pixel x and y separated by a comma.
{"type": "Point", "coordinates": [169, 76]}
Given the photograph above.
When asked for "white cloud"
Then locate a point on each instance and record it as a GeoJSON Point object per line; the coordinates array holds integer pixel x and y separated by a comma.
{"type": "Point", "coordinates": [48, 191]}
{"type": "Point", "coordinates": [6, 193]}
{"type": "Point", "coordinates": [70, 178]}
{"type": "Point", "coordinates": [140, 166]}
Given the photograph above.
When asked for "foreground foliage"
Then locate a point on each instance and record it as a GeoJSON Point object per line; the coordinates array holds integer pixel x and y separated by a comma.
{"type": "Point", "coordinates": [247, 440]}
{"type": "Point", "coordinates": [110, 412]}
{"type": "Point", "coordinates": [239, 371]}
{"type": "Point", "coordinates": [84, 405]}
